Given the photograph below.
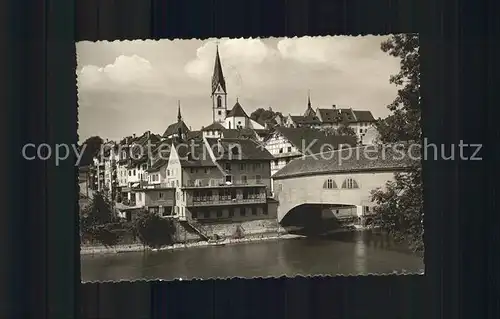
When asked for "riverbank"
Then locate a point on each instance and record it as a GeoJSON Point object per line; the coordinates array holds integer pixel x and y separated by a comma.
{"type": "Point", "coordinates": [99, 250]}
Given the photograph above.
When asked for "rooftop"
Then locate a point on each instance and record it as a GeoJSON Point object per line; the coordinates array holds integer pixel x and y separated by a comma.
{"type": "Point", "coordinates": [193, 154]}
{"type": "Point", "coordinates": [311, 140]}
{"type": "Point", "coordinates": [174, 128]}
{"type": "Point", "coordinates": [214, 126]}
{"type": "Point", "coordinates": [358, 159]}
{"type": "Point", "coordinates": [237, 111]}
{"type": "Point", "coordinates": [231, 148]}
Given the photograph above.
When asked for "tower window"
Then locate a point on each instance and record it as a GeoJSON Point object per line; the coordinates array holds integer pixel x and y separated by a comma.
{"type": "Point", "coordinates": [219, 112]}
{"type": "Point", "coordinates": [219, 102]}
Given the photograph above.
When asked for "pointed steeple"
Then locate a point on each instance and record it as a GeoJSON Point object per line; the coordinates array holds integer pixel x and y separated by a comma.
{"type": "Point", "coordinates": [309, 111]}
{"type": "Point", "coordinates": [218, 76]}
{"type": "Point", "coordinates": [179, 117]}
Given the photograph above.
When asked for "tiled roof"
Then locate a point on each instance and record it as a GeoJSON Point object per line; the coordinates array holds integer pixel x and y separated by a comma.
{"type": "Point", "coordinates": [299, 119]}
{"type": "Point", "coordinates": [214, 126]}
{"type": "Point", "coordinates": [193, 135]}
{"type": "Point", "coordinates": [237, 111]}
{"type": "Point", "coordinates": [158, 164]}
{"type": "Point", "coordinates": [250, 150]}
{"type": "Point", "coordinates": [303, 137]}
{"type": "Point", "coordinates": [344, 115]}
{"type": "Point", "coordinates": [174, 128]}
{"type": "Point", "coordinates": [262, 132]}
{"type": "Point", "coordinates": [365, 158]}
{"type": "Point", "coordinates": [193, 154]}
{"type": "Point", "coordinates": [329, 115]}
{"type": "Point", "coordinates": [364, 116]}
{"type": "Point", "coordinates": [238, 133]}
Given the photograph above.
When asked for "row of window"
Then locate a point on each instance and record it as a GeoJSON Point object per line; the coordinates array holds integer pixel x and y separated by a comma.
{"type": "Point", "coordinates": [244, 167]}
{"type": "Point", "coordinates": [194, 170]}
{"type": "Point", "coordinates": [171, 172]}
{"type": "Point", "coordinates": [227, 194]}
{"type": "Point", "coordinates": [242, 212]}
{"type": "Point", "coordinates": [283, 162]}
{"type": "Point", "coordinates": [288, 150]}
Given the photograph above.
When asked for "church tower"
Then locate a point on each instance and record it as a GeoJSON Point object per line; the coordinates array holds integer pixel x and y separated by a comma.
{"type": "Point", "coordinates": [309, 111]}
{"type": "Point", "coordinates": [219, 93]}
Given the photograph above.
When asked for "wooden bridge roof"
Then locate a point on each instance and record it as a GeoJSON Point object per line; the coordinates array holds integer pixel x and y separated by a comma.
{"type": "Point", "coordinates": [357, 159]}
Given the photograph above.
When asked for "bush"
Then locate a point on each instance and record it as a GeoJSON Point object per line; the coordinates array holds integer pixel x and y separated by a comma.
{"type": "Point", "coordinates": [108, 235]}
{"type": "Point", "coordinates": [154, 231]}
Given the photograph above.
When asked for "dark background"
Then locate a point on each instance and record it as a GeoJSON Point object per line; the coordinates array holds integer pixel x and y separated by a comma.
{"type": "Point", "coordinates": [40, 262]}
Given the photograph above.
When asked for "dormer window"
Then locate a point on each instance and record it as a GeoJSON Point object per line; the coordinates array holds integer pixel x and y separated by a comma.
{"type": "Point", "coordinates": [235, 150]}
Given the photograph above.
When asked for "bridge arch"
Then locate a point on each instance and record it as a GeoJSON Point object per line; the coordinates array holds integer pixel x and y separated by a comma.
{"type": "Point", "coordinates": [318, 217]}
{"type": "Point", "coordinates": [319, 180]}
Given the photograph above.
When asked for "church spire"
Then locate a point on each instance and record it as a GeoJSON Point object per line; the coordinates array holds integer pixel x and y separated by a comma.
{"type": "Point", "coordinates": [218, 76]}
{"type": "Point", "coordinates": [309, 111]}
{"type": "Point", "coordinates": [179, 117]}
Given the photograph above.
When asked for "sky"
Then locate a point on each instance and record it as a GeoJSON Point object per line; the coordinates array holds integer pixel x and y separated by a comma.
{"type": "Point", "coordinates": [129, 87]}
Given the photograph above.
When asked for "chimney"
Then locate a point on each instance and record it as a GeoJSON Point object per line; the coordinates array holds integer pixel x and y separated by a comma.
{"type": "Point", "coordinates": [148, 134]}
{"type": "Point", "coordinates": [190, 128]}
{"type": "Point", "coordinates": [133, 135]}
{"type": "Point", "coordinates": [126, 140]}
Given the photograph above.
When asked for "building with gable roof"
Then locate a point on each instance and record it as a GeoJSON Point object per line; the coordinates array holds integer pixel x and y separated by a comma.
{"type": "Point", "coordinates": [286, 144]}
{"type": "Point", "coordinates": [321, 118]}
{"type": "Point", "coordinates": [222, 118]}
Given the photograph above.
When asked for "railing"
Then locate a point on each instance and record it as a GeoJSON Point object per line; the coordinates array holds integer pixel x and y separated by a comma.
{"type": "Point", "coordinates": [221, 182]}
{"type": "Point", "coordinates": [227, 200]}
{"type": "Point", "coordinates": [153, 186]}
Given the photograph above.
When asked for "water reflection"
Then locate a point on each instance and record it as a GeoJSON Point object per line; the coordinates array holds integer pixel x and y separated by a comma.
{"type": "Point", "coordinates": [341, 253]}
{"type": "Point", "coordinates": [359, 257]}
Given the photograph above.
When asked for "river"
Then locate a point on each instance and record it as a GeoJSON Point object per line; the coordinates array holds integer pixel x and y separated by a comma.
{"type": "Point", "coordinates": [355, 253]}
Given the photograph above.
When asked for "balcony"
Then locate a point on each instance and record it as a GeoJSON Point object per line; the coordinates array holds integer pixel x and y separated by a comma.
{"type": "Point", "coordinates": [128, 202]}
{"type": "Point", "coordinates": [157, 186]}
{"type": "Point", "coordinates": [219, 182]}
{"type": "Point", "coordinates": [227, 200]}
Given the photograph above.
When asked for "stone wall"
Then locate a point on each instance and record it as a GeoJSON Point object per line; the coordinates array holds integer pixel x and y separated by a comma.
{"type": "Point", "coordinates": [253, 227]}
{"type": "Point", "coordinates": [184, 234]}
{"type": "Point", "coordinates": [228, 229]}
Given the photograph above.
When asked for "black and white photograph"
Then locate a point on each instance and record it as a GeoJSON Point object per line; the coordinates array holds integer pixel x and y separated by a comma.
{"type": "Point", "coordinates": [247, 158]}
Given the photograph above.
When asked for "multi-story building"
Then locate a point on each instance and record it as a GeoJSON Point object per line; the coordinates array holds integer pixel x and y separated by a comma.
{"type": "Point", "coordinates": [322, 118]}
{"type": "Point", "coordinates": [98, 167]}
{"type": "Point", "coordinates": [219, 179]}
{"type": "Point", "coordinates": [286, 144]}
{"type": "Point", "coordinates": [132, 163]}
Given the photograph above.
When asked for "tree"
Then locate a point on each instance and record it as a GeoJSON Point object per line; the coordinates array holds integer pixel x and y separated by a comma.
{"type": "Point", "coordinates": [345, 130]}
{"type": "Point", "coordinates": [399, 209]}
{"type": "Point", "coordinates": [108, 234]}
{"type": "Point", "coordinates": [264, 116]}
{"type": "Point", "coordinates": [100, 210]}
{"type": "Point", "coordinates": [155, 231]}
{"type": "Point", "coordinates": [92, 149]}
{"type": "Point", "coordinates": [98, 222]}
